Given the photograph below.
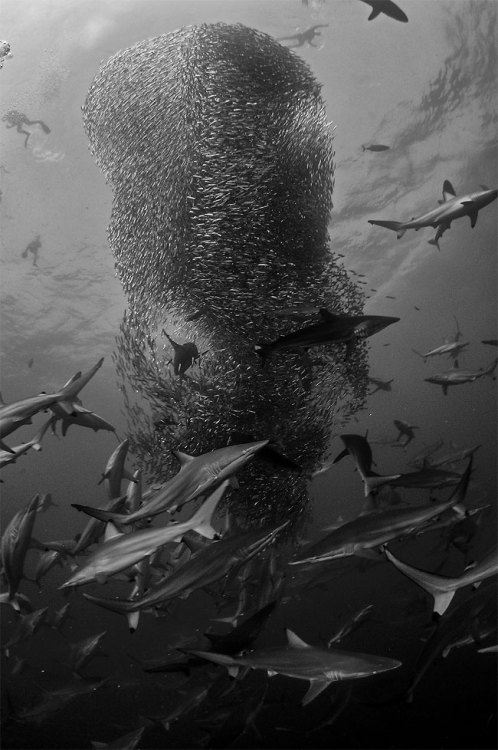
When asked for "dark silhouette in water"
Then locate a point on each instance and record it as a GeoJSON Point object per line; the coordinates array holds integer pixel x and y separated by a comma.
{"type": "Point", "coordinates": [376, 147]}
{"type": "Point", "coordinates": [185, 355]}
{"type": "Point", "coordinates": [304, 36]}
{"type": "Point", "coordinates": [33, 247]}
{"type": "Point", "coordinates": [388, 8]}
{"type": "Point", "coordinates": [15, 119]}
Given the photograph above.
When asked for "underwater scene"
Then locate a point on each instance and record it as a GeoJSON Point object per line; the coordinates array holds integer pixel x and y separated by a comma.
{"type": "Point", "coordinates": [248, 373]}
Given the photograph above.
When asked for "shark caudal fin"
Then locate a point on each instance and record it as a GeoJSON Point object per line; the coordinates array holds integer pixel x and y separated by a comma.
{"type": "Point", "coordinates": [438, 586]}
{"type": "Point", "coordinates": [201, 521]}
{"type": "Point", "coordinates": [104, 515]}
{"type": "Point", "coordinates": [396, 226]}
{"type": "Point", "coordinates": [67, 394]}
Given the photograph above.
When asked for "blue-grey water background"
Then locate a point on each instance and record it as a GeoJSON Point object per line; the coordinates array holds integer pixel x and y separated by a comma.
{"type": "Point", "coordinates": [427, 89]}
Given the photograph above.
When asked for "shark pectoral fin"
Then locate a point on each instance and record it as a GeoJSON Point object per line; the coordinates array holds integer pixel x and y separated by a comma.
{"type": "Point", "coordinates": [316, 687]}
{"type": "Point", "coordinates": [375, 12]}
{"type": "Point", "coordinates": [442, 601]}
{"type": "Point", "coordinates": [271, 673]}
{"type": "Point", "coordinates": [473, 218]}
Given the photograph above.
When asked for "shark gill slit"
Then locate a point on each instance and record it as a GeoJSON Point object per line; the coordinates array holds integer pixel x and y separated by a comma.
{"type": "Point", "coordinates": [215, 142]}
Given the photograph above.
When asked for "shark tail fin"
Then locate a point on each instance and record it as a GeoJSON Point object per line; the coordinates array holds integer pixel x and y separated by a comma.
{"type": "Point", "coordinates": [69, 391]}
{"type": "Point", "coordinates": [433, 584]}
{"type": "Point", "coordinates": [396, 226]}
{"type": "Point", "coordinates": [201, 521]}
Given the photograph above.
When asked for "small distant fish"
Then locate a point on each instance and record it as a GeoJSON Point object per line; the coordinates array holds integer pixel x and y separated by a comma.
{"type": "Point", "coordinates": [491, 342]}
{"type": "Point", "coordinates": [376, 147]}
{"type": "Point", "coordinates": [30, 363]}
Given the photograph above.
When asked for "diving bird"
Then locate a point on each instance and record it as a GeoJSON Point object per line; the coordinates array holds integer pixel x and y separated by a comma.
{"type": "Point", "coordinates": [458, 377]}
{"type": "Point", "coordinates": [388, 8]}
{"type": "Point", "coordinates": [319, 666]}
{"type": "Point", "coordinates": [450, 208]}
{"type": "Point", "coordinates": [443, 588]}
{"type": "Point", "coordinates": [333, 329]}
{"type": "Point", "coordinates": [197, 475]}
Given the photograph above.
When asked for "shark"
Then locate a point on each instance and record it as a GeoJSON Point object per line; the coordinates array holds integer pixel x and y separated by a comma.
{"type": "Point", "coordinates": [184, 355]}
{"type": "Point", "coordinates": [388, 8]}
{"type": "Point", "coordinates": [458, 377]}
{"type": "Point", "coordinates": [332, 329]}
{"type": "Point", "coordinates": [405, 429]}
{"type": "Point", "coordinates": [372, 529]}
{"type": "Point", "coordinates": [461, 620]}
{"type": "Point", "coordinates": [453, 348]}
{"type": "Point", "coordinates": [10, 456]}
{"type": "Point", "coordinates": [359, 449]}
{"type": "Point", "coordinates": [319, 666]}
{"type": "Point", "coordinates": [449, 209]}
{"type": "Point", "coordinates": [27, 625]}
{"type": "Point", "coordinates": [82, 651]}
{"type": "Point", "coordinates": [115, 471]}
{"type": "Point", "coordinates": [19, 413]}
{"type": "Point", "coordinates": [443, 588]}
{"type": "Point", "coordinates": [128, 741]}
{"type": "Point", "coordinates": [14, 545]}
{"type": "Point", "coordinates": [203, 568]}
{"type": "Point", "coordinates": [120, 551]}
{"type": "Point", "coordinates": [81, 417]}
{"type": "Point", "coordinates": [381, 385]}
{"type": "Point", "coordinates": [197, 475]}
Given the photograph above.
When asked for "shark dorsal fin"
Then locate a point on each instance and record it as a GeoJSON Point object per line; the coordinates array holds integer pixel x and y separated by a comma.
{"type": "Point", "coordinates": [111, 532]}
{"type": "Point", "coordinates": [326, 314]}
{"type": "Point", "coordinates": [295, 641]}
{"type": "Point", "coordinates": [484, 187]}
{"type": "Point", "coordinates": [183, 458]}
{"type": "Point", "coordinates": [448, 191]}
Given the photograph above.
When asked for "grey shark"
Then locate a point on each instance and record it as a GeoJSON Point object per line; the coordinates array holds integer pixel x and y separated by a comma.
{"type": "Point", "coordinates": [197, 475]}
{"type": "Point", "coordinates": [19, 413]}
{"type": "Point", "coordinates": [373, 529]}
{"type": "Point", "coordinates": [115, 471]}
{"type": "Point", "coordinates": [458, 377]}
{"type": "Point", "coordinates": [10, 456]}
{"type": "Point", "coordinates": [319, 666]}
{"type": "Point", "coordinates": [405, 429]}
{"type": "Point", "coordinates": [121, 551]}
{"type": "Point", "coordinates": [14, 545]}
{"type": "Point", "coordinates": [333, 329]}
{"type": "Point", "coordinates": [205, 567]}
{"type": "Point", "coordinates": [450, 208]}
{"type": "Point", "coordinates": [359, 449]}
{"type": "Point", "coordinates": [443, 588]}
{"type": "Point", "coordinates": [453, 348]}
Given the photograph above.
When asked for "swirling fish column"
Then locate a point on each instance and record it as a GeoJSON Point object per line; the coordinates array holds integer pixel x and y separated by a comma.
{"type": "Point", "coordinates": [215, 141]}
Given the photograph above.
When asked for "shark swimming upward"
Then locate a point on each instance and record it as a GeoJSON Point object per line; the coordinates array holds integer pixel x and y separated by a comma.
{"type": "Point", "coordinates": [450, 208]}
